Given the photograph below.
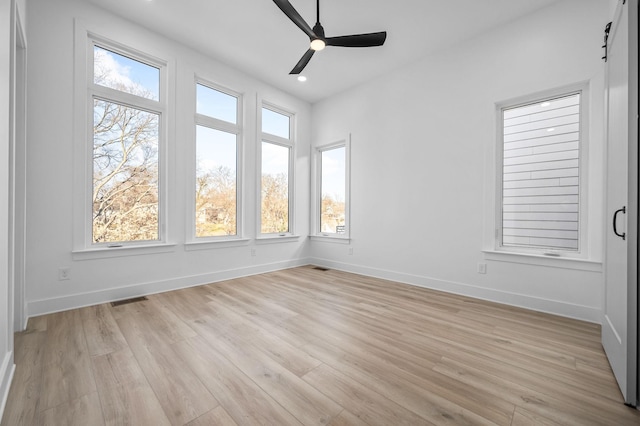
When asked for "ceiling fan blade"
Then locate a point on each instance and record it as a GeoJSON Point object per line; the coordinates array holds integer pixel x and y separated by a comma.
{"type": "Point", "coordinates": [293, 14]}
{"type": "Point", "coordinates": [358, 40]}
{"type": "Point", "coordinates": [303, 62]}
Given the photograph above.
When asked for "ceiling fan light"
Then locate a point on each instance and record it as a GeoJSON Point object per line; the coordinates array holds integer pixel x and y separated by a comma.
{"type": "Point", "coordinates": [317, 44]}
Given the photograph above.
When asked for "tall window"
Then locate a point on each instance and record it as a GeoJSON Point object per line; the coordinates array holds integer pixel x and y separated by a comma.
{"type": "Point", "coordinates": [276, 165]}
{"type": "Point", "coordinates": [332, 190]}
{"type": "Point", "coordinates": [217, 133]}
{"type": "Point", "coordinates": [128, 106]}
{"type": "Point", "coordinates": [541, 170]}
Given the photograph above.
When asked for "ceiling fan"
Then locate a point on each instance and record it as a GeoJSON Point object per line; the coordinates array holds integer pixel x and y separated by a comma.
{"type": "Point", "coordinates": [318, 39]}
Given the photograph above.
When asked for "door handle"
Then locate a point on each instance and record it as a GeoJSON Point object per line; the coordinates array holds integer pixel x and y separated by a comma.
{"type": "Point", "coordinates": [615, 215]}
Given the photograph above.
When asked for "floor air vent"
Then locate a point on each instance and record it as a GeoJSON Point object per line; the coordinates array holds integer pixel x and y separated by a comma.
{"type": "Point", "coordinates": [320, 268]}
{"type": "Point", "coordinates": [127, 301]}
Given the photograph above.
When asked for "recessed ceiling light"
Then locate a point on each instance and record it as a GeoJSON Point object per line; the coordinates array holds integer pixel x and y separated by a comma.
{"type": "Point", "coordinates": [545, 104]}
{"type": "Point", "coordinates": [550, 129]}
{"type": "Point", "coordinates": [302, 78]}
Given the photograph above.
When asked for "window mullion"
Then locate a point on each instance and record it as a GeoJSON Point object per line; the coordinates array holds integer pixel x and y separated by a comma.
{"type": "Point", "coordinates": [127, 99]}
{"type": "Point", "coordinates": [276, 140]}
{"type": "Point", "coordinates": [214, 123]}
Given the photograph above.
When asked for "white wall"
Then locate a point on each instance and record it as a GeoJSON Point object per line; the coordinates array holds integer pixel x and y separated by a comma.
{"type": "Point", "coordinates": [422, 158]}
{"type": "Point", "coordinates": [423, 142]}
{"type": "Point", "coordinates": [50, 185]}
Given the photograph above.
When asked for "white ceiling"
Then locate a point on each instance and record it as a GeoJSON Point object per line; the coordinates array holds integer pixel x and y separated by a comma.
{"type": "Point", "coordinates": [257, 38]}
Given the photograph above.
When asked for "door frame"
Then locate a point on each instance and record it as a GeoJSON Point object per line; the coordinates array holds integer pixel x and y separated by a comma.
{"type": "Point", "coordinates": [633, 296]}
{"type": "Point", "coordinates": [17, 169]}
{"type": "Point", "coordinates": [622, 357]}
{"type": "Point", "coordinates": [634, 188]}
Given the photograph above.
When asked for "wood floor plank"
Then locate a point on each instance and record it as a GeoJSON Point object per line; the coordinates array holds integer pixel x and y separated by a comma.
{"type": "Point", "coordinates": [264, 336]}
{"type": "Point", "coordinates": [22, 405]}
{"type": "Point", "coordinates": [101, 331]}
{"type": "Point", "coordinates": [181, 393]}
{"type": "Point", "coordinates": [38, 323]}
{"type": "Point", "coordinates": [166, 324]}
{"type": "Point", "coordinates": [83, 411]}
{"type": "Point", "coordinates": [67, 374]}
{"type": "Point", "coordinates": [550, 403]}
{"type": "Point", "coordinates": [306, 403]}
{"type": "Point", "coordinates": [455, 346]}
{"type": "Point", "coordinates": [125, 394]}
{"type": "Point", "coordinates": [304, 346]}
{"type": "Point", "coordinates": [435, 399]}
{"type": "Point", "coordinates": [346, 418]}
{"type": "Point", "coordinates": [265, 311]}
{"type": "Point", "coordinates": [242, 398]}
{"type": "Point", "coordinates": [369, 406]}
{"type": "Point", "coordinates": [188, 304]}
{"type": "Point", "coordinates": [216, 417]}
{"type": "Point", "coordinates": [523, 417]}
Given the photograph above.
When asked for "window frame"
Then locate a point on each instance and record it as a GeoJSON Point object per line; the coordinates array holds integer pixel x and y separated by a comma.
{"type": "Point", "coordinates": [283, 142]}
{"type": "Point", "coordinates": [236, 129]}
{"type": "Point", "coordinates": [583, 251]}
{"type": "Point", "coordinates": [316, 201]}
{"type": "Point", "coordinates": [87, 90]}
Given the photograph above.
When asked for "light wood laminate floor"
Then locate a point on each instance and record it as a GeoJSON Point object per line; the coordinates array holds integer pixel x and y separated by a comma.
{"type": "Point", "coordinates": [311, 347]}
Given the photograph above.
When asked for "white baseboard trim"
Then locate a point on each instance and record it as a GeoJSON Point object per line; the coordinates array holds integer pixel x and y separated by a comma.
{"type": "Point", "coordinates": [584, 313]}
{"type": "Point", "coordinates": [6, 376]}
{"type": "Point", "coordinates": [63, 303]}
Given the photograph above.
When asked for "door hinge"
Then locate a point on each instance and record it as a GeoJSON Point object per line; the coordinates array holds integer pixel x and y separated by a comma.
{"type": "Point", "coordinates": [607, 29]}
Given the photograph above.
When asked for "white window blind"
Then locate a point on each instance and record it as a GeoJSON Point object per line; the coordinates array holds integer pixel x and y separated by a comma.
{"type": "Point", "coordinates": [541, 174]}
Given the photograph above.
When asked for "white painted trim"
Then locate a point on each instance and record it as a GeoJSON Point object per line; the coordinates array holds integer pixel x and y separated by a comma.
{"type": "Point", "coordinates": [276, 238]}
{"type": "Point", "coordinates": [584, 313]}
{"type": "Point", "coordinates": [542, 260]}
{"type": "Point", "coordinates": [613, 329]}
{"type": "Point", "coordinates": [330, 239]}
{"type": "Point", "coordinates": [237, 129]}
{"type": "Point", "coordinates": [290, 143]}
{"type": "Point", "coordinates": [316, 189]}
{"type": "Point", "coordinates": [84, 91]}
{"type": "Point", "coordinates": [580, 312]}
{"type": "Point", "coordinates": [6, 376]}
{"type": "Point", "coordinates": [57, 304]}
{"type": "Point", "coordinates": [19, 141]}
{"type": "Point", "coordinates": [123, 250]}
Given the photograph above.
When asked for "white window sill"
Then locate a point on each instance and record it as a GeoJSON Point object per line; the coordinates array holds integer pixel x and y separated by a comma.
{"type": "Point", "coordinates": [214, 244]}
{"type": "Point", "coordinates": [330, 238]}
{"type": "Point", "coordinates": [542, 260]}
{"type": "Point", "coordinates": [276, 238]}
{"type": "Point", "coordinates": [104, 252]}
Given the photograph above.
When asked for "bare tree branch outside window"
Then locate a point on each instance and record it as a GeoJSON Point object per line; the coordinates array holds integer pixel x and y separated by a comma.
{"type": "Point", "coordinates": [125, 165]}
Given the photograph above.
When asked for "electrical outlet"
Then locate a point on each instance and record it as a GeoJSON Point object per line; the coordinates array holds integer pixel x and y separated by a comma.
{"type": "Point", "coordinates": [253, 252]}
{"type": "Point", "coordinates": [482, 268]}
{"type": "Point", "coordinates": [350, 251]}
{"type": "Point", "coordinates": [64, 274]}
